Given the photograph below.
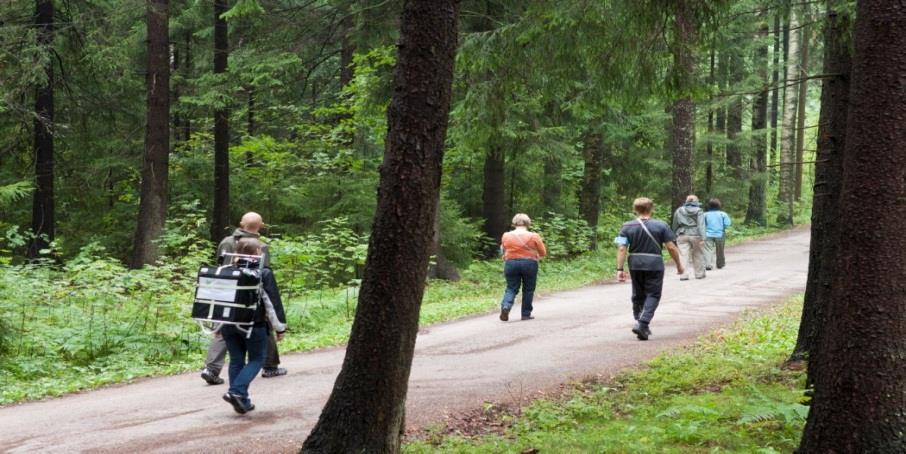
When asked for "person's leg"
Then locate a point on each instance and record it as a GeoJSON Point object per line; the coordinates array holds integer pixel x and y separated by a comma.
{"type": "Point", "coordinates": [698, 256]}
{"type": "Point", "coordinates": [513, 279]}
{"type": "Point", "coordinates": [710, 253]}
{"type": "Point", "coordinates": [214, 361]}
{"type": "Point", "coordinates": [255, 346]}
{"type": "Point", "coordinates": [685, 251]}
{"type": "Point", "coordinates": [637, 279]}
{"type": "Point", "coordinates": [654, 282]}
{"type": "Point", "coordinates": [235, 343]}
{"type": "Point", "coordinates": [721, 260]}
{"type": "Point", "coordinates": [529, 279]}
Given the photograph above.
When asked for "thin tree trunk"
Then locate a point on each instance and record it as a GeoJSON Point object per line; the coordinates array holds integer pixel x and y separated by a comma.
{"type": "Point", "coordinates": [347, 50]}
{"type": "Point", "coordinates": [365, 411]}
{"type": "Point", "coordinates": [828, 181]}
{"type": "Point", "coordinates": [684, 107]}
{"type": "Point", "coordinates": [553, 179]}
{"type": "Point", "coordinates": [787, 143]}
{"type": "Point", "coordinates": [860, 388]}
{"type": "Point", "coordinates": [755, 212]}
{"type": "Point", "coordinates": [187, 73]}
{"type": "Point", "coordinates": [709, 169]}
{"type": "Point", "coordinates": [250, 115]}
{"type": "Point", "coordinates": [734, 119]}
{"type": "Point", "coordinates": [493, 197]}
{"type": "Point", "coordinates": [801, 104]}
{"type": "Point", "coordinates": [152, 208]}
{"type": "Point", "coordinates": [221, 214]}
{"type": "Point", "coordinates": [775, 93]}
{"type": "Point", "coordinates": [174, 69]}
{"type": "Point", "coordinates": [590, 192]}
{"type": "Point", "coordinates": [440, 268]}
{"type": "Point", "coordinates": [43, 224]}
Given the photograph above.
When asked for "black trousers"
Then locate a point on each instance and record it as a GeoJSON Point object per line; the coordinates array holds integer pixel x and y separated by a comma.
{"type": "Point", "coordinates": [646, 293]}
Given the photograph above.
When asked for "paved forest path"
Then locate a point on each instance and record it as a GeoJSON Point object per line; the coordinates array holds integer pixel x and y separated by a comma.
{"type": "Point", "coordinates": [458, 366]}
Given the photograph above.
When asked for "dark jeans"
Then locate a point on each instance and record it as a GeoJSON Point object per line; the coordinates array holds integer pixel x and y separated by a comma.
{"type": "Point", "coordinates": [242, 372]}
{"type": "Point", "coordinates": [646, 293]}
{"type": "Point", "coordinates": [518, 272]}
{"type": "Point", "coordinates": [217, 353]}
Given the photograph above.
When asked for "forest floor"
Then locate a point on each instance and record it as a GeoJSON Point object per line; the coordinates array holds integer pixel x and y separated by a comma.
{"type": "Point", "coordinates": [459, 366]}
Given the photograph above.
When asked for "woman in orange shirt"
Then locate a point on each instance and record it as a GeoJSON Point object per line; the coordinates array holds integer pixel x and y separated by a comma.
{"type": "Point", "coordinates": [521, 251]}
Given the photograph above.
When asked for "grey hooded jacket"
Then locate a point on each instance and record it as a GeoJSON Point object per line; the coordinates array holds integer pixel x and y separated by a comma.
{"type": "Point", "coordinates": [689, 219]}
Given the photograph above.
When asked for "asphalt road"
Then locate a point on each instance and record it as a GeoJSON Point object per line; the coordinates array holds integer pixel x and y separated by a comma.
{"type": "Point", "coordinates": [458, 366]}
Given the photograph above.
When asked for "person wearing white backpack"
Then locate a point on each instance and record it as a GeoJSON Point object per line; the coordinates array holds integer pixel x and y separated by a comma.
{"type": "Point", "coordinates": [643, 240]}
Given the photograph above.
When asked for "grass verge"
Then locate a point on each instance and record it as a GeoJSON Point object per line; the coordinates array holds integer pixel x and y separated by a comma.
{"type": "Point", "coordinates": [727, 393]}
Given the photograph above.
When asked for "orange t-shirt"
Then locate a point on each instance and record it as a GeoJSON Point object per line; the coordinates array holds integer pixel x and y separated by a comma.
{"type": "Point", "coordinates": [522, 244]}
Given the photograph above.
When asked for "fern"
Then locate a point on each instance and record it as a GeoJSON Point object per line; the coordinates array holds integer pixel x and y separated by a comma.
{"type": "Point", "coordinates": [14, 192]}
{"type": "Point", "coordinates": [774, 412]}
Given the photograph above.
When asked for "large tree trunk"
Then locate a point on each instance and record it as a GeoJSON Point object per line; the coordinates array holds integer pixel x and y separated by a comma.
{"type": "Point", "coordinates": [152, 208]}
{"type": "Point", "coordinates": [801, 103]}
{"type": "Point", "coordinates": [493, 196]}
{"type": "Point", "coordinates": [683, 108]}
{"type": "Point", "coordinates": [220, 218]}
{"type": "Point", "coordinates": [755, 212]}
{"type": "Point", "coordinates": [365, 411]}
{"type": "Point", "coordinates": [709, 150]}
{"type": "Point", "coordinates": [590, 192]}
{"type": "Point", "coordinates": [860, 388]}
{"type": "Point", "coordinates": [42, 216]}
{"type": "Point", "coordinates": [828, 181]}
{"type": "Point", "coordinates": [787, 143]}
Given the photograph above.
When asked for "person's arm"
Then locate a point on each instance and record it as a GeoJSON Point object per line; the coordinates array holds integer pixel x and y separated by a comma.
{"type": "Point", "coordinates": [674, 254]}
{"type": "Point", "coordinates": [225, 246]}
{"type": "Point", "coordinates": [269, 282]}
{"type": "Point", "coordinates": [621, 262]}
{"type": "Point", "coordinates": [279, 326]}
{"type": "Point", "coordinates": [539, 245]}
{"type": "Point", "coordinates": [701, 225]}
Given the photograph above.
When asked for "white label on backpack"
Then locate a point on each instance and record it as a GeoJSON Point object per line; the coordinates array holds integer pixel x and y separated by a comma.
{"type": "Point", "coordinates": [226, 312]}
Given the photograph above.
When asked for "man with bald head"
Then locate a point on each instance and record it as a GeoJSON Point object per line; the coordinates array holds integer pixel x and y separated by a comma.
{"type": "Point", "coordinates": [249, 227]}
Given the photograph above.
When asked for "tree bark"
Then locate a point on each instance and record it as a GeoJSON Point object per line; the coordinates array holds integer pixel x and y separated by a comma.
{"type": "Point", "coordinates": [684, 107]}
{"type": "Point", "coordinates": [152, 208]}
{"type": "Point", "coordinates": [734, 120]}
{"type": "Point", "coordinates": [860, 388]}
{"type": "Point", "coordinates": [493, 197]}
{"type": "Point", "coordinates": [187, 73]}
{"type": "Point", "coordinates": [221, 213]}
{"type": "Point", "coordinates": [365, 411]}
{"type": "Point", "coordinates": [709, 150]}
{"type": "Point", "coordinates": [440, 268]}
{"type": "Point", "coordinates": [801, 104]}
{"type": "Point", "coordinates": [787, 143]}
{"type": "Point", "coordinates": [347, 49]}
{"type": "Point", "coordinates": [43, 224]}
{"type": "Point", "coordinates": [553, 179]}
{"type": "Point", "coordinates": [755, 212]}
{"type": "Point", "coordinates": [828, 180]}
{"type": "Point", "coordinates": [775, 93]}
{"type": "Point", "coordinates": [590, 192]}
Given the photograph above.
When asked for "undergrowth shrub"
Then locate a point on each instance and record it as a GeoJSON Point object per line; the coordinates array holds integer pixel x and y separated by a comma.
{"type": "Point", "coordinates": [564, 237]}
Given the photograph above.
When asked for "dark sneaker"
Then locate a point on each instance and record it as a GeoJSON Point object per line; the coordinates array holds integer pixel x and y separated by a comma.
{"type": "Point", "coordinates": [209, 377]}
{"type": "Point", "coordinates": [238, 405]}
{"type": "Point", "coordinates": [708, 268]}
{"type": "Point", "coordinates": [528, 317]}
{"type": "Point", "coordinates": [275, 372]}
{"type": "Point", "coordinates": [642, 332]}
{"type": "Point", "coordinates": [504, 314]}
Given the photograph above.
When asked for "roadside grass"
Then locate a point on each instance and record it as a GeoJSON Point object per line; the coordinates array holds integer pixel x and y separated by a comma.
{"type": "Point", "coordinates": [94, 322]}
{"type": "Point", "coordinates": [727, 393]}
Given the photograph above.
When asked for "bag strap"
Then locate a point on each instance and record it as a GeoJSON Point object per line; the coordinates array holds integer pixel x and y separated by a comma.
{"type": "Point", "coordinates": [656, 242]}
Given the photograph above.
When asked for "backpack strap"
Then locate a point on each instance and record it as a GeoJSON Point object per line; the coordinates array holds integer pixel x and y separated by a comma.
{"type": "Point", "coordinates": [648, 232]}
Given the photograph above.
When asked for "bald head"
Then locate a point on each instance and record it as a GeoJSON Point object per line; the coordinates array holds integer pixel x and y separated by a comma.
{"type": "Point", "coordinates": [251, 222]}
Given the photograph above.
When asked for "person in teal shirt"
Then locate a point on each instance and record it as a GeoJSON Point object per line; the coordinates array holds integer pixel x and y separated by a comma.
{"type": "Point", "coordinates": [716, 223]}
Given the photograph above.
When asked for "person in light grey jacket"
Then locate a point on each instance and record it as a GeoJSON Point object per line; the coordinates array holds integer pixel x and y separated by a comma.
{"type": "Point", "coordinates": [689, 226]}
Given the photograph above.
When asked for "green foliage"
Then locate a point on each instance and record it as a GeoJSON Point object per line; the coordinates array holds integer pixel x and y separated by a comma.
{"type": "Point", "coordinates": [725, 394]}
{"type": "Point", "coordinates": [330, 258]}
{"type": "Point", "coordinates": [564, 237]}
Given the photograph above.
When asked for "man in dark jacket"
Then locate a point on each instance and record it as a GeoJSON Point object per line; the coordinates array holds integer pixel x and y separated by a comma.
{"type": "Point", "coordinates": [249, 227]}
{"type": "Point", "coordinates": [689, 226]}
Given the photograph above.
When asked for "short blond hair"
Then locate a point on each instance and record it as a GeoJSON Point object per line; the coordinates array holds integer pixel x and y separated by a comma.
{"type": "Point", "coordinates": [521, 220]}
{"type": "Point", "coordinates": [643, 205]}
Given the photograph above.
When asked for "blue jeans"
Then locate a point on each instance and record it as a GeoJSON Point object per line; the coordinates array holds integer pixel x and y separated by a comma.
{"type": "Point", "coordinates": [241, 372]}
{"type": "Point", "coordinates": [516, 272]}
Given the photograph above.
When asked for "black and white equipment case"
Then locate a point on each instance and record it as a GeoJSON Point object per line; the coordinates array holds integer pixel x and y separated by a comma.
{"type": "Point", "coordinates": [228, 295]}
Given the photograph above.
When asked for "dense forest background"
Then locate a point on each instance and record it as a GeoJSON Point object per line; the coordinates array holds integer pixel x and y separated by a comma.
{"type": "Point", "coordinates": [564, 110]}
